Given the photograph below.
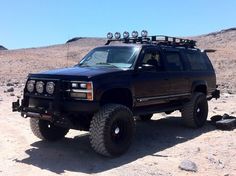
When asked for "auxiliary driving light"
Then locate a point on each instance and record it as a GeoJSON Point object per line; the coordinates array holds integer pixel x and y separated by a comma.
{"type": "Point", "coordinates": [30, 85]}
{"type": "Point", "coordinates": [144, 33]}
{"type": "Point", "coordinates": [50, 86]}
{"type": "Point", "coordinates": [109, 35]}
{"type": "Point", "coordinates": [134, 34]}
{"type": "Point", "coordinates": [117, 35]}
{"type": "Point", "coordinates": [126, 35]}
{"type": "Point", "coordinates": [39, 86]}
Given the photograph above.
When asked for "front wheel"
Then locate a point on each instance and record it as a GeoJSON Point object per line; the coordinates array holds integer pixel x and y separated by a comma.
{"type": "Point", "coordinates": [46, 130]}
{"type": "Point", "coordinates": [195, 111]}
{"type": "Point", "coordinates": [112, 130]}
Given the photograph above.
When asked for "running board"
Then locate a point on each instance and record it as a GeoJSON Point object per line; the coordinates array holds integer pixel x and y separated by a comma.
{"type": "Point", "coordinates": [156, 109]}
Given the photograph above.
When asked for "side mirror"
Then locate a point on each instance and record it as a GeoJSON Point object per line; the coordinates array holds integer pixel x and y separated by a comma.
{"type": "Point", "coordinates": [147, 67]}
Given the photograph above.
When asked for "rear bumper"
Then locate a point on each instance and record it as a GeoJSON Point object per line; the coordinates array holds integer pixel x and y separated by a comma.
{"type": "Point", "coordinates": [215, 94]}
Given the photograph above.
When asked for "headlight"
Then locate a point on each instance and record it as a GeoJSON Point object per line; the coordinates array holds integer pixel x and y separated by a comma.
{"type": "Point", "coordinates": [50, 86]}
{"type": "Point", "coordinates": [30, 85]}
{"type": "Point", "coordinates": [82, 90]}
{"type": "Point", "coordinates": [39, 87]}
{"type": "Point", "coordinates": [84, 85]}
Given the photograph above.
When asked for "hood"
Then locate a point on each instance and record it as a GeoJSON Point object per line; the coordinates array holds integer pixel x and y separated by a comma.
{"type": "Point", "coordinates": [86, 72]}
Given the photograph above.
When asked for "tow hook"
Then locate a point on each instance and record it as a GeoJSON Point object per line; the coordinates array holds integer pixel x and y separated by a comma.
{"type": "Point", "coordinates": [16, 106]}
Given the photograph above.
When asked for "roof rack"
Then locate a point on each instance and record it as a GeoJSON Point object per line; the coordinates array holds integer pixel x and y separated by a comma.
{"type": "Point", "coordinates": [157, 40]}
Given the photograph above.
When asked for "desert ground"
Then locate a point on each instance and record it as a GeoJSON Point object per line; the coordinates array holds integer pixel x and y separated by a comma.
{"type": "Point", "coordinates": [160, 145]}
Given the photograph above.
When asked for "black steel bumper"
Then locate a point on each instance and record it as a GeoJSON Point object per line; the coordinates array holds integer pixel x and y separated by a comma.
{"type": "Point", "coordinates": [63, 108]}
{"type": "Point", "coordinates": [215, 94]}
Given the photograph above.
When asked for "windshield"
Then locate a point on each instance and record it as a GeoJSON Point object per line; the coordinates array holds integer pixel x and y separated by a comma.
{"type": "Point", "coordinates": [121, 57]}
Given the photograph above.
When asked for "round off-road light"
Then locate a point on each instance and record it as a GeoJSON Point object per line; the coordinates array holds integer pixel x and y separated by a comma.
{"type": "Point", "coordinates": [50, 87]}
{"type": "Point", "coordinates": [126, 35]}
{"type": "Point", "coordinates": [117, 35]}
{"type": "Point", "coordinates": [109, 35]}
{"type": "Point", "coordinates": [144, 33]}
{"type": "Point", "coordinates": [30, 85]}
{"type": "Point", "coordinates": [39, 86]}
{"type": "Point", "coordinates": [134, 34]}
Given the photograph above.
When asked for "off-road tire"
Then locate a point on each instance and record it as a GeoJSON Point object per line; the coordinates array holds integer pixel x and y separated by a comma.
{"type": "Point", "coordinates": [112, 130]}
{"type": "Point", "coordinates": [195, 111]}
{"type": "Point", "coordinates": [45, 130]}
{"type": "Point", "coordinates": [145, 117]}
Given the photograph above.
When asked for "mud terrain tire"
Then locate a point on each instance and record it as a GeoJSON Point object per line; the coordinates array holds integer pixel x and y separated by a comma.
{"type": "Point", "coordinates": [45, 130]}
{"type": "Point", "coordinates": [195, 111]}
{"type": "Point", "coordinates": [112, 130]}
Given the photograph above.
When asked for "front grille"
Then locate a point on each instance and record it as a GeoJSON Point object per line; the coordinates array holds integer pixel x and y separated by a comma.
{"type": "Point", "coordinates": [36, 102]}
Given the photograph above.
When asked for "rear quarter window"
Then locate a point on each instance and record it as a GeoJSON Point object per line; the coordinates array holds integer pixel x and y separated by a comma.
{"type": "Point", "coordinates": [197, 61]}
{"type": "Point", "coordinates": [174, 62]}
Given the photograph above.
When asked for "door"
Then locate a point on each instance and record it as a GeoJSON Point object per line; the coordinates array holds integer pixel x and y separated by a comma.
{"type": "Point", "coordinates": [179, 82]}
{"type": "Point", "coordinates": [151, 83]}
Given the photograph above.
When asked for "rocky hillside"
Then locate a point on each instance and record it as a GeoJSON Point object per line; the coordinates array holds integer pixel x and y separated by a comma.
{"type": "Point", "coordinates": [16, 64]}
{"type": "Point", "coordinates": [224, 59]}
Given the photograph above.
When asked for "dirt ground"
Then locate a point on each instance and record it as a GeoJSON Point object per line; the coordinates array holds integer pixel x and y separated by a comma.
{"type": "Point", "coordinates": [159, 147]}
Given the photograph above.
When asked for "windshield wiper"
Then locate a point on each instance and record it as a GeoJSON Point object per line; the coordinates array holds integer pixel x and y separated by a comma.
{"type": "Point", "coordinates": [105, 63]}
{"type": "Point", "coordinates": [83, 65]}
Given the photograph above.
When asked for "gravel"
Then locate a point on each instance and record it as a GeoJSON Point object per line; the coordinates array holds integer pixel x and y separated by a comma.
{"type": "Point", "coordinates": [10, 89]}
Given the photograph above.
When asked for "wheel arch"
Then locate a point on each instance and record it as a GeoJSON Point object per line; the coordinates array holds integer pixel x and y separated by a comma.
{"type": "Point", "coordinates": [199, 86]}
{"type": "Point", "coordinates": [117, 95]}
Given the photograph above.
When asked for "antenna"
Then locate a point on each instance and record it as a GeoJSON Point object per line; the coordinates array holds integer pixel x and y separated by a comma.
{"type": "Point", "coordinates": [67, 54]}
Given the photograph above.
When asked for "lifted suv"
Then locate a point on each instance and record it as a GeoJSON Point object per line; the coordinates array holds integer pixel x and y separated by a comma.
{"type": "Point", "coordinates": [132, 76]}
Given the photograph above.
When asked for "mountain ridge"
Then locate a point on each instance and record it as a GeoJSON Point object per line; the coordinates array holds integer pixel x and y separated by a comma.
{"type": "Point", "coordinates": [18, 63]}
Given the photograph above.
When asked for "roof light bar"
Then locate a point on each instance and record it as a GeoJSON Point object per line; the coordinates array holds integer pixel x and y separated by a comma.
{"type": "Point", "coordinates": [155, 39]}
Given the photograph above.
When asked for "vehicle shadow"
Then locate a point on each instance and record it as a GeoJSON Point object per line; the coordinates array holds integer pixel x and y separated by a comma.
{"type": "Point", "coordinates": [76, 155]}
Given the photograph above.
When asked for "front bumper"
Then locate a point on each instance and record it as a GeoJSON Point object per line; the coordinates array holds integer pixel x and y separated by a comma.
{"type": "Point", "coordinates": [45, 108]}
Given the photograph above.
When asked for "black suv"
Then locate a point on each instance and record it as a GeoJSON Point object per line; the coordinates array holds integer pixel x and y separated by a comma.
{"type": "Point", "coordinates": [128, 77]}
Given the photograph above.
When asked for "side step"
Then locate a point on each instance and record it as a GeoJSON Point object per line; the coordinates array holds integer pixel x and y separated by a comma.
{"type": "Point", "coordinates": [156, 109]}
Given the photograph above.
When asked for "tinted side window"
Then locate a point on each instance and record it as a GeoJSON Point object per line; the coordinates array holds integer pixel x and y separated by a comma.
{"type": "Point", "coordinates": [152, 57]}
{"type": "Point", "coordinates": [173, 61]}
{"type": "Point", "coordinates": [197, 61]}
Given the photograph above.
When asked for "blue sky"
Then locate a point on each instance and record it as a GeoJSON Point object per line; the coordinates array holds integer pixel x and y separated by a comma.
{"type": "Point", "coordinates": [33, 23]}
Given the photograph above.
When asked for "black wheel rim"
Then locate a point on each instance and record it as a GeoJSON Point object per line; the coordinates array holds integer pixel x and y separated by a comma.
{"type": "Point", "coordinates": [48, 125]}
{"type": "Point", "coordinates": [200, 113]}
{"type": "Point", "coordinates": [118, 132]}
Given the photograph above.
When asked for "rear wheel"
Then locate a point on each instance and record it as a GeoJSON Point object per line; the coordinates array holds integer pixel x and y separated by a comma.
{"type": "Point", "coordinates": [112, 130]}
{"type": "Point", "coordinates": [195, 111]}
{"type": "Point", "coordinates": [46, 130]}
{"type": "Point", "coordinates": [146, 117]}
